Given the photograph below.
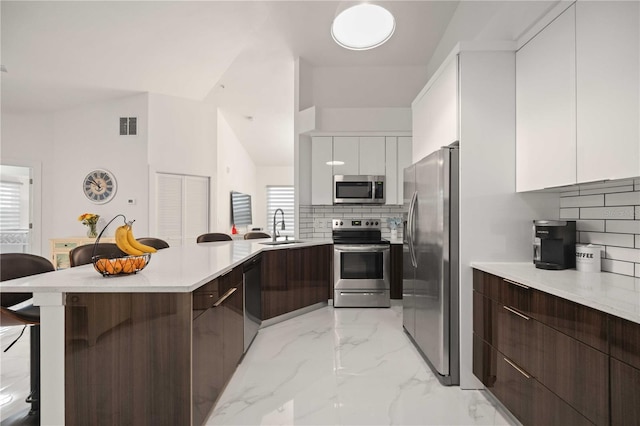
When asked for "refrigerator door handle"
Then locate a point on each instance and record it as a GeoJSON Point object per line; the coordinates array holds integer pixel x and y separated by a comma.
{"type": "Point", "coordinates": [411, 229]}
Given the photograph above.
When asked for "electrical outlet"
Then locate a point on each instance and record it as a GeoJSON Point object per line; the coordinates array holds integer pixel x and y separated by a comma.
{"type": "Point", "coordinates": [319, 223]}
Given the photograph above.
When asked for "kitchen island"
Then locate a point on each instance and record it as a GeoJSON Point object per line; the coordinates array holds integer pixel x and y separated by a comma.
{"type": "Point", "coordinates": [120, 350]}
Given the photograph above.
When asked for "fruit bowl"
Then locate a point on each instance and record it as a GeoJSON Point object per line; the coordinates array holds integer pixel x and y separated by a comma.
{"type": "Point", "coordinates": [120, 265]}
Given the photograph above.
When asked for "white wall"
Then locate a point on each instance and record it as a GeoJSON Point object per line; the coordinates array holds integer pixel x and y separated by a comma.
{"type": "Point", "coordinates": [182, 140]}
{"type": "Point", "coordinates": [350, 87]}
{"type": "Point", "coordinates": [27, 140]}
{"type": "Point", "coordinates": [87, 138]}
{"type": "Point", "coordinates": [495, 221]}
{"type": "Point", "coordinates": [68, 145]}
{"type": "Point", "coordinates": [236, 172]}
{"type": "Point", "coordinates": [266, 176]}
{"type": "Point", "coordinates": [364, 119]}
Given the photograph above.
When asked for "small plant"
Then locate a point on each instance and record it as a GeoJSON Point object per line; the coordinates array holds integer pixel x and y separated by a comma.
{"type": "Point", "coordinates": [394, 222]}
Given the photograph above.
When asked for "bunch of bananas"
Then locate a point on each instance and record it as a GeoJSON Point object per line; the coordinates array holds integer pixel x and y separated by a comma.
{"type": "Point", "coordinates": [128, 243]}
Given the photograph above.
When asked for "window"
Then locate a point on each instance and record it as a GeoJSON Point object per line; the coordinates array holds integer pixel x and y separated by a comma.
{"type": "Point", "coordinates": [14, 212]}
{"type": "Point", "coordinates": [10, 211]}
{"type": "Point", "coordinates": [281, 197]}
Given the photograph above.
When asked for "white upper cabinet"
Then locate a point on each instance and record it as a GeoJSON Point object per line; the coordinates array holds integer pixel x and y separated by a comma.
{"type": "Point", "coordinates": [435, 112]}
{"type": "Point", "coordinates": [608, 89]}
{"type": "Point", "coordinates": [360, 155]}
{"type": "Point", "coordinates": [372, 156]}
{"type": "Point", "coordinates": [546, 107]}
{"type": "Point", "coordinates": [391, 176]}
{"type": "Point", "coordinates": [345, 150]}
{"type": "Point", "coordinates": [321, 172]}
{"type": "Point", "coordinates": [404, 160]}
{"type": "Point", "coordinates": [398, 158]}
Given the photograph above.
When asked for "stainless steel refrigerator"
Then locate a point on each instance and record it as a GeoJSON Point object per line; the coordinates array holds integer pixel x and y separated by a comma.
{"type": "Point", "coordinates": [430, 261]}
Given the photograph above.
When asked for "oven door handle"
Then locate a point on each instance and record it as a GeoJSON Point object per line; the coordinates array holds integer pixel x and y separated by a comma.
{"type": "Point", "coordinates": [361, 248]}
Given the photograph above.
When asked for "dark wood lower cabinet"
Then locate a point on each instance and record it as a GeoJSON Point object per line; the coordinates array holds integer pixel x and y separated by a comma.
{"type": "Point", "coordinates": [395, 275]}
{"type": "Point", "coordinates": [123, 353]}
{"type": "Point", "coordinates": [625, 393]}
{"type": "Point", "coordinates": [533, 354]}
{"type": "Point", "coordinates": [232, 322]}
{"type": "Point", "coordinates": [521, 393]}
{"type": "Point", "coordinates": [295, 278]}
{"type": "Point", "coordinates": [577, 373]}
{"type": "Point", "coordinates": [208, 330]}
{"type": "Point", "coordinates": [625, 371]}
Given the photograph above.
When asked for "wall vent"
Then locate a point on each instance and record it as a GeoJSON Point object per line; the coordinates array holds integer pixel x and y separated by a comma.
{"type": "Point", "coordinates": [128, 126]}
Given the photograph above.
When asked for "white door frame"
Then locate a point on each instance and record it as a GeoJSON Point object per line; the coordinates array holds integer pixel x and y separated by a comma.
{"type": "Point", "coordinates": [35, 233]}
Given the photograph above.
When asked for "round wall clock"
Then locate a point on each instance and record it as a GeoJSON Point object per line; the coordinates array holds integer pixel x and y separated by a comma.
{"type": "Point", "coordinates": [99, 186]}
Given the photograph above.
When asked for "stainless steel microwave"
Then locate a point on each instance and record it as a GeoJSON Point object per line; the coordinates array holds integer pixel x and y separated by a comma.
{"type": "Point", "coordinates": [355, 189]}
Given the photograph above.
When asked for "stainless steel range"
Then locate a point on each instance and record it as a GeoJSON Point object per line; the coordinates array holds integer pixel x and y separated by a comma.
{"type": "Point", "coordinates": [361, 262]}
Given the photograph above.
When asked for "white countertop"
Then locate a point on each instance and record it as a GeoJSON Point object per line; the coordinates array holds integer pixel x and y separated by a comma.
{"type": "Point", "coordinates": [614, 294]}
{"type": "Point", "coordinates": [171, 270]}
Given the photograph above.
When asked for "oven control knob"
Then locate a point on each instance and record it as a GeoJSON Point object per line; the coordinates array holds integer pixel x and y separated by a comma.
{"type": "Point", "coordinates": [367, 223]}
{"type": "Point", "coordinates": [376, 223]}
{"type": "Point", "coordinates": [341, 223]}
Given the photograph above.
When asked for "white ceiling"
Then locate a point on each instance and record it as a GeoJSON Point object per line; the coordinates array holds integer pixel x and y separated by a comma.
{"type": "Point", "coordinates": [60, 55]}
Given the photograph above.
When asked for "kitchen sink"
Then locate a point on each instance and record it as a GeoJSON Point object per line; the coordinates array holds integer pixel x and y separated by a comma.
{"type": "Point", "coordinates": [279, 243]}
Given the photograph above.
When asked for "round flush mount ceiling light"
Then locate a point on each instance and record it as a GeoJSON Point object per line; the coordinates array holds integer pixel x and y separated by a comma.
{"type": "Point", "coordinates": [363, 27]}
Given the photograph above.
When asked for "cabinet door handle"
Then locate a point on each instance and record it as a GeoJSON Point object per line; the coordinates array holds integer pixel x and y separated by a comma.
{"type": "Point", "coordinates": [225, 296]}
{"type": "Point", "coordinates": [515, 283]}
{"type": "Point", "coordinates": [520, 370]}
{"type": "Point", "coordinates": [513, 311]}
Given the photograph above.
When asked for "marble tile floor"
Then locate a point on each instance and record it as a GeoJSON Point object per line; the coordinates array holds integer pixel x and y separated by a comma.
{"type": "Point", "coordinates": [328, 367]}
{"type": "Point", "coordinates": [14, 375]}
{"type": "Point", "coordinates": [344, 367]}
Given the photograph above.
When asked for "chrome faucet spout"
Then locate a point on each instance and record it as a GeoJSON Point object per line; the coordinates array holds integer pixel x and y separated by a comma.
{"type": "Point", "coordinates": [273, 235]}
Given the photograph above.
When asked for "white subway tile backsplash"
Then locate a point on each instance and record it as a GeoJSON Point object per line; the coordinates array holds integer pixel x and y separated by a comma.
{"type": "Point", "coordinates": [608, 184]}
{"type": "Point", "coordinates": [573, 213]}
{"type": "Point", "coordinates": [623, 226]}
{"type": "Point", "coordinates": [622, 199]}
{"type": "Point", "coordinates": [583, 201]}
{"type": "Point", "coordinates": [618, 267]}
{"type": "Point", "coordinates": [619, 240]}
{"type": "Point", "coordinates": [590, 225]}
{"type": "Point", "coordinates": [607, 214]}
{"type": "Point", "coordinates": [623, 254]}
{"type": "Point", "coordinates": [625, 212]}
{"type": "Point", "coordinates": [607, 190]}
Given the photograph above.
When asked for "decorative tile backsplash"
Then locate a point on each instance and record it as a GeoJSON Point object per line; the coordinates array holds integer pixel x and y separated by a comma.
{"type": "Point", "coordinates": [608, 214]}
{"type": "Point", "coordinates": [315, 221]}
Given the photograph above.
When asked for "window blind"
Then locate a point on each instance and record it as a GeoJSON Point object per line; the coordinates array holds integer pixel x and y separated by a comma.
{"type": "Point", "coordinates": [281, 197]}
{"type": "Point", "coordinates": [10, 211]}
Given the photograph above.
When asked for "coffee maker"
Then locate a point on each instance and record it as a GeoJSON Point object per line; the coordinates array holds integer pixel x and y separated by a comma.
{"type": "Point", "coordinates": [554, 244]}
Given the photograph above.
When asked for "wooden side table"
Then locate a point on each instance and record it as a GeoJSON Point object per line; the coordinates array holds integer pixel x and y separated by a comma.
{"type": "Point", "coordinates": [60, 248]}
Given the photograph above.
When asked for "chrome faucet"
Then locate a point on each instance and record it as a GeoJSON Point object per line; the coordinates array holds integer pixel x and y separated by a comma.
{"type": "Point", "coordinates": [273, 236]}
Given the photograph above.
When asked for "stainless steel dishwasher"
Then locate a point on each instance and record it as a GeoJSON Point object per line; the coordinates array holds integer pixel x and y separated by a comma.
{"type": "Point", "coordinates": [252, 280]}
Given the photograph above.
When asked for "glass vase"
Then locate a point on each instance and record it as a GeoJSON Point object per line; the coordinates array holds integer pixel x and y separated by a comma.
{"type": "Point", "coordinates": [91, 231]}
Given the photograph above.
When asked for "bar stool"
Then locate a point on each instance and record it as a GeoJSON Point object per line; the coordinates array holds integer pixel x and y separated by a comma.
{"type": "Point", "coordinates": [82, 255]}
{"type": "Point", "coordinates": [156, 243]}
{"type": "Point", "coordinates": [18, 265]}
{"type": "Point", "coordinates": [256, 235]}
{"type": "Point", "coordinates": [213, 236]}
